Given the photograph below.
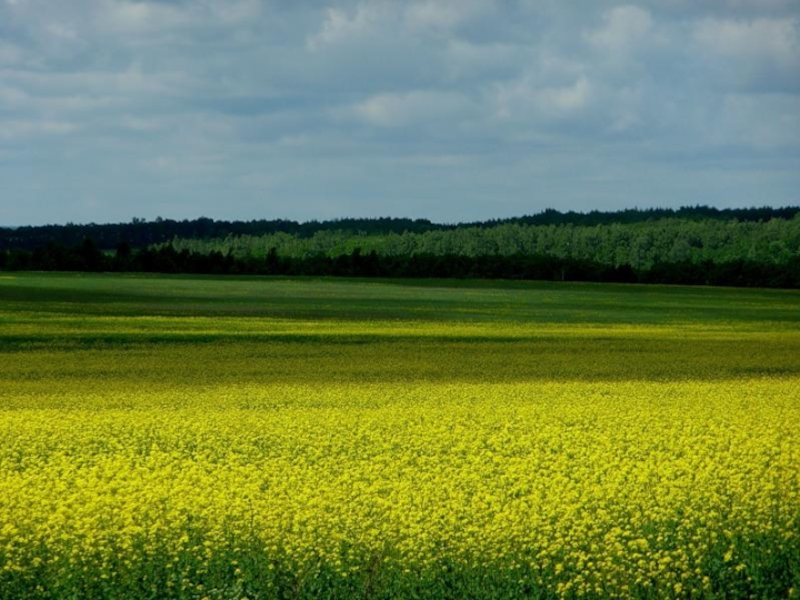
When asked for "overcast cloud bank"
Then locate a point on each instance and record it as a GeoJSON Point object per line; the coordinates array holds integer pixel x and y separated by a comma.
{"type": "Point", "coordinates": [453, 110]}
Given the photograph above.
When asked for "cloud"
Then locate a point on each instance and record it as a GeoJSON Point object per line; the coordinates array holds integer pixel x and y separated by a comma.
{"type": "Point", "coordinates": [460, 108]}
{"type": "Point", "coordinates": [760, 53]}
{"type": "Point", "coordinates": [340, 27]}
{"type": "Point", "coordinates": [92, 87]}
{"type": "Point", "coordinates": [624, 28]}
{"type": "Point", "coordinates": [411, 108]}
{"type": "Point", "coordinates": [445, 14]}
{"type": "Point", "coordinates": [631, 42]}
{"type": "Point", "coordinates": [12, 98]}
{"type": "Point", "coordinates": [23, 129]}
{"type": "Point", "coordinates": [465, 61]}
{"type": "Point", "coordinates": [564, 99]}
{"type": "Point", "coordinates": [532, 98]}
{"type": "Point", "coordinates": [413, 19]}
{"type": "Point", "coordinates": [10, 54]}
{"type": "Point", "coordinates": [126, 16]}
{"type": "Point", "coordinates": [773, 40]}
{"type": "Point", "coordinates": [769, 122]}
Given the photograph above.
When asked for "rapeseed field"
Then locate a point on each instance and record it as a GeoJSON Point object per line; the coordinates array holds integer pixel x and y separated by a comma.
{"type": "Point", "coordinates": [233, 438]}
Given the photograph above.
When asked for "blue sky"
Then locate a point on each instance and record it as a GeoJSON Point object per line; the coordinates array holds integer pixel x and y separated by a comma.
{"type": "Point", "coordinates": [452, 110]}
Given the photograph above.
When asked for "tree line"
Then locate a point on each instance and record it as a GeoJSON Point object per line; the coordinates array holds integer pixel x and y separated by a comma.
{"type": "Point", "coordinates": [639, 245]}
{"type": "Point", "coordinates": [167, 259]}
{"type": "Point", "coordinates": [743, 247]}
{"type": "Point", "coordinates": [140, 233]}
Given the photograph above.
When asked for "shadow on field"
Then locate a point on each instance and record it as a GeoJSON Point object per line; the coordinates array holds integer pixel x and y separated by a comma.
{"type": "Point", "coordinates": [214, 360]}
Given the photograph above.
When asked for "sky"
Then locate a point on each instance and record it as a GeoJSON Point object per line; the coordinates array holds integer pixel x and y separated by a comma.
{"type": "Point", "coordinates": [451, 110]}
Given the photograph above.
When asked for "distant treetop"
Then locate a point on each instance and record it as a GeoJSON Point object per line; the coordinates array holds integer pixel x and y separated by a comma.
{"type": "Point", "coordinates": [139, 233]}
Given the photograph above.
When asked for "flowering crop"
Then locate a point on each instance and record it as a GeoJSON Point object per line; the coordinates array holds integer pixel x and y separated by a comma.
{"type": "Point", "coordinates": [194, 467]}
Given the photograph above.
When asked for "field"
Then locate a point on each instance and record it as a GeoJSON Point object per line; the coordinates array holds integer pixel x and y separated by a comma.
{"type": "Point", "coordinates": [227, 438]}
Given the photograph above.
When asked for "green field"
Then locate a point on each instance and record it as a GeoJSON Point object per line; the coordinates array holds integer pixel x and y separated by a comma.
{"type": "Point", "coordinates": [454, 331]}
{"type": "Point", "coordinates": [224, 437]}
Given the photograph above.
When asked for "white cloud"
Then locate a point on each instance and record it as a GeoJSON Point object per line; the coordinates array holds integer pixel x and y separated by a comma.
{"type": "Point", "coordinates": [464, 59]}
{"type": "Point", "coordinates": [236, 12]}
{"type": "Point", "coordinates": [763, 122]}
{"type": "Point", "coordinates": [339, 26]}
{"type": "Point", "coordinates": [10, 54]}
{"type": "Point", "coordinates": [384, 18]}
{"type": "Point", "coordinates": [142, 17]}
{"type": "Point", "coordinates": [774, 40]}
{"type": "Point", "coordinates": [757, 55]}
{"type": "Point", "coordinates": [525, 97]}
{"type": "Point", "coordinates": [568, 98]}
{"type": "Point", "coordinates": [21, 129]}
{"type": "Point", "coordinates": [132, 83]}
{"type": "Point", "coordinates": [198, 93]}
{"type": "Point", "coordinates": [624, 29]}
{"type": "Point", "coordinates": [62, 31]}
{"type": "Point", "coordinates": [13, 98]}
{"type": "Point", "coordinates": [445, 14]}
{"type": "Point", "coordinates": [135, 15]}
{"type": "Point", "coordinates": [139, 124]}
{"type": "Point", "coordinates": [432, 15]}
{"type": "Point", "coordinates": [400, 110]}
{"type": "Point", "coordinates": [423, 159]}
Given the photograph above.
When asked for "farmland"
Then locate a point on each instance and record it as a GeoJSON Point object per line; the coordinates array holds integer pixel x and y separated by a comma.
{"type": "Point", "coordinates": [202, 437]}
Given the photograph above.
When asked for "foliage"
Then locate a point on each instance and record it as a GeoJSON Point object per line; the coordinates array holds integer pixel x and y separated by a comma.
{"type": "Point", "coordinates": [638, 245]}
{"type": "Point", "coordinates": [140, 233]}
{"type": "Point", "coordinates": [694, 249]}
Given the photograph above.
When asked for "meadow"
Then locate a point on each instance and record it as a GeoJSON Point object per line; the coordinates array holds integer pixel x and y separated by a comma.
{"type": "Point", "coordinates": [233, 437]}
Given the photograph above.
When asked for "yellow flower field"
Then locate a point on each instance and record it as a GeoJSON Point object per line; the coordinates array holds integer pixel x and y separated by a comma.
{"type": "Point", "coordinates": [134, 468]}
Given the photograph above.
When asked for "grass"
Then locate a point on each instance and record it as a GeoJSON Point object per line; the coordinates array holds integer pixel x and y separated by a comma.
{"type": "Point", "coordinates": [429, 300]}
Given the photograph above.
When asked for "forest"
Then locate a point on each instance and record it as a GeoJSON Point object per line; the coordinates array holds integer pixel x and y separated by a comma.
{"type": "Point", "coordinates": [693, 245]}
{"type": "Point", "coordinates": [140, 233]}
